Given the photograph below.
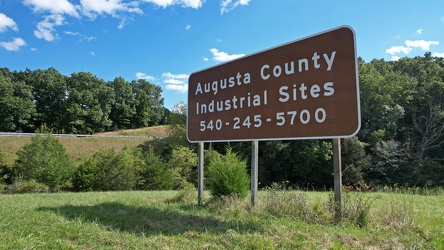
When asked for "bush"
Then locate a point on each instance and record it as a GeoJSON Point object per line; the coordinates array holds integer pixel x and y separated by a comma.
{"type": "Point", "coordinates": [183, 162]}
{"type": "Point", "coordinates": [20, 186]}
{"type": "Point", "coordinates": [44, 160]}
{"type": "Point", "coordinates": [227, 175]}
{"type": "Point", "coordinates": [108, 171]}
{"type": "Point", "coordinates": [154, 174]}
{"type": "Point", "coordinates": [5, 171]}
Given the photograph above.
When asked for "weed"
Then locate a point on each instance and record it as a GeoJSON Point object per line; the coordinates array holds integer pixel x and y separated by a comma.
{"type": "Point", "coordinates": [21, 186]}
{"type": "Point", "coordinates": [355, 208]}
{"type": "Point", "coordinates": [187, 196]}
{"type": "Point", "coordinates": [398, 216]}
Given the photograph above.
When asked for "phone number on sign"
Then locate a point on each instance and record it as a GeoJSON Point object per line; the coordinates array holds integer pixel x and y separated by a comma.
{"type": "Point", "coordinates": [256, 121]}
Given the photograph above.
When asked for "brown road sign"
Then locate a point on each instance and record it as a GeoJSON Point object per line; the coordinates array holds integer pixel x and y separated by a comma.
{"type": "Point", "coordinates": [306, 89]}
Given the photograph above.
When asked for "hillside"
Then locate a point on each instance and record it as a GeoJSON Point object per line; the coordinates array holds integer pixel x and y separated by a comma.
{"type": "Point", "coordinates": [156, 131]}
{"type": "Point", "coordinates": [79, 148]}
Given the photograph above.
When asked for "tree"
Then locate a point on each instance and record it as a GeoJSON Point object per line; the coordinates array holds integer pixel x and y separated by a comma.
{"type": "Point", "coordinates": [123, 109]}
{"type": "Point", "coordinates": [45, 160]}
{"type": "Point", "coordinates": [355, 161]}
{"type": "Point", "coordinates": [148, 103]}
{"type": "Point", "coordinates": [107, 170]}
{"type": "Point", "coordinates": [177, 125]}
{"type": "Point", "coordinates": [49, 87]}
{"type": "Point", "coordinates": [16, 104]}
{"type": "Point", "coordinates": [227, 175]}
{"type": "Point", "coordinates": [300, 162]}
{"type": "Point", "coordinates": [183, 163]}
{"type": "Point", "coordinates": [154, 174]}
{"type": "Point", "coordinates": [88, 104]}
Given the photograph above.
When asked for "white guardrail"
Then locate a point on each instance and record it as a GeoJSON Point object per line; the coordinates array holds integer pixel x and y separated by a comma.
{"type": "Point", "coordinates": [78, 135]}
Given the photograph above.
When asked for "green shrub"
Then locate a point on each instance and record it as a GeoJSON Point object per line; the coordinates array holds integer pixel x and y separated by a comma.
{"type": "Point", "coordinates": [20, 186]}
{"type": "Point", "coordinates": [227, 175]}
{"type": "Point", "coordinates": [183, 162]}
{"type": "Point", "coordinates": [154, 174]}
{"type": "Point", "coordinates": [107, 170]}
{"type": "Point", "coordinates": [5, 171]}
{"type": "Point", "coordinates": [44, 160]}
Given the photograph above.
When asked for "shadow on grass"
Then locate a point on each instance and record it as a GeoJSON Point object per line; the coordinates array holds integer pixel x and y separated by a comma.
{"type": "Point", "coordinates": [150, 220]}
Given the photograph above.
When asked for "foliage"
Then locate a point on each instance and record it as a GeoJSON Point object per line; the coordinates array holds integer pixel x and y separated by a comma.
{"type": "Point", "coordinates": [227, 175]}
{"type": "Point", "coordinates": [355, 161]}
{"type": "Point", "coordinates": [79, 103]}
{"type": "Point", "coordinates": [401, 139]}
{"type": "Point", "coordinates": [154, 173]}
{"type": "Point", "coordinates": [44, 160]}
{"type": "Point", "coordinates": [5, 171]}
{"type": "Point", "coordinates": [20, 186]}
{"type": "Point", "coordinates": [107, 170]}
{"type": "Point", "coordinates": [177, 126]}
{"type": "Point", "coordinates": [300, 162]}
{"type": "Point", "coordinates": [16, 104]}
{"type": "Point", "coordinates": [183, 163]}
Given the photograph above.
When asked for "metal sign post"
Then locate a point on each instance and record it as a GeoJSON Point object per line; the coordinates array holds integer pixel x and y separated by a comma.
{"type": "Point", "coordinates": [254, 171]}
{"type": "Point", "coordinates": [200, 174]}
{"type": "Point", "coordinates": [337, 177]}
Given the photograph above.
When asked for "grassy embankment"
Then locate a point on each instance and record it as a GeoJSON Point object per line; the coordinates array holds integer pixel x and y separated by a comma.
{"type": "Point", "coordinates": [82, 147]}
{"type": "Point", "coordinates": [151, 220]}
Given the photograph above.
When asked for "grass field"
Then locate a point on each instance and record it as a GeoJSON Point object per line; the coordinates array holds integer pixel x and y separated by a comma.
{"type": "Point", "coordinates": [154, 220]}
{"type": "Point", "coordinates": [77, 148]}
{"type": "Point", "coordinates": [82, 147]}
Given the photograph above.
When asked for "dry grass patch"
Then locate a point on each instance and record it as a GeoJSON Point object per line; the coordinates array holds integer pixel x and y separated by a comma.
{"type": "Point", "coordinates": [78, 149]}
{"type": "Point", "coordinates": [156, 131]}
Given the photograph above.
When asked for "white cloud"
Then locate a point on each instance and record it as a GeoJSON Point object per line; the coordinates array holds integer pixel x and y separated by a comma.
{"type": "Point", "coordinates": [45, 28]}
{"type": "Point", "coordinates": [176, 76]}
{"type": "Point", "coordinates": [83, 37]}
{"type": "Point", "coordinates": [228, 5]}
{"type": "Point", "coordinates": [177, 82]}
{"type": "Point", "coordinates": [438, 54]}
{"type": "Point", "coordinates": [410, 45]}
{"type": "Point", "coordinates": [188, 27]}
{"type": "Point", "coordinates": [174, 81]}
{"type": "Point", "coordinates": [124, 22]}
{"type": "Point", "coordinates": [7, 22]}
{"type": "Point", "coordinates": [220, 56]}
{"type": "Point", "coordinates": [144, 76]}
{"type": "Point", "coordinates": [205, 59]}
{"type": "Point", "coordinates": [110, 7]}
{"type": "Point", "coordinates": [398, 49]}
{"type": "Point", "coordinates": [72, 33]}
{"type": "Point", "coordinates": [92, 53]}
{"type": "Point", "coordinates": [424, 45]}
{"type": "Point", "coordinates": [53, 6]}
{"type": "Point", "coordinates": [419, 31]}
{"type": "Point", "coordinates": [180, 88]}
{"type": "Point", "coordinates": [195, 4]}
{"type": "Point", "coordinates": [14, 45]}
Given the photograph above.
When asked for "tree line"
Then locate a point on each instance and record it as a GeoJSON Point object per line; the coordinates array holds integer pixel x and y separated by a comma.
{"type": "Point", "coordinates": [80, 103]}
{"type": "Point", "coordinates": [401, 140]}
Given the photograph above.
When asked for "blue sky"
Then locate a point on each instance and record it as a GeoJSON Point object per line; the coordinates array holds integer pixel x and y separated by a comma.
{"type": "Point", "coordinates": [164, 41]}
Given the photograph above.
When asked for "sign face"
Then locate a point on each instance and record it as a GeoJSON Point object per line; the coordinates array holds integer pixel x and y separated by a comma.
{"type": "Point", "coordinates": [306, 89]}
